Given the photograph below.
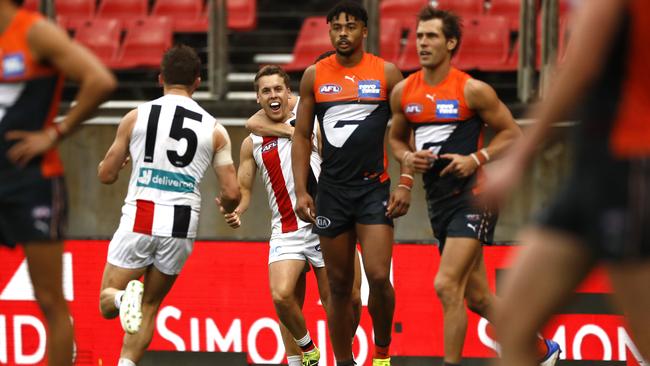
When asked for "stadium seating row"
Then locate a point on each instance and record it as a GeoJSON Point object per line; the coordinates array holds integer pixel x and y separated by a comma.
{"type": "Point", "coordinates": [408, 9]}
{"type": "Point", "coordinates": [144, 44]}
{"type": "Point", "coordinates": [487, 43]}
{"type": "Point", "coordinates": [186, 15]}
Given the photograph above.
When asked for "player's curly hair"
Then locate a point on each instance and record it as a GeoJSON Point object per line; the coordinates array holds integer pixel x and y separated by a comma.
{"type": "Point", "coordinates": [350, 8]}
{"type": "Point", "coordinates": [180, 65]}
{"type": "Point", "coordinates": [451, 23]}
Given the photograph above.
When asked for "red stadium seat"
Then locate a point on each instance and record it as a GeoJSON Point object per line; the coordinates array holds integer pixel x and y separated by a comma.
{"type": "Point", "coordinates": [242, 14]}
{"type": "Point", "coordinates": [102, 37]}
{"type": "Point", "coordinates": [145, 43]}
{"type": "Point", "coordinates": [407, 10]}
{"type": "Point", "coordinates": [71, 14]}
{"type": "Point", "coordinates": [31, 5]}
{"type": "Point", "coordinates": [186, 15]}
{"type": "Point", "coordinates": [461, 7]}
{"type": "Point", "coordinates": [409, 60]}
{"type": "Point", "coordinates": [312, 41]}
{"type": "Point", "coordinates": [390, 39]}
{"type": "Point", "coordinates": [124, 10]}
{"type": "Point", "coordinates": [485, 44]}
{"type": "Point", "coordinates": [507, 8]}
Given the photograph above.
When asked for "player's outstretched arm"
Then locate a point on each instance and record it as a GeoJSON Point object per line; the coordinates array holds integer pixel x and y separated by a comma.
{"type": "Point", "coordinates": [225, 169]}
{"type": "Point", "coordinates": [301, 147]}
{"type": "Point", "coordinates": [246, 178]}
{"type": "Point", "coordinates": [118, 154]}
{"type": "Point", "coordinates": [51, 45]}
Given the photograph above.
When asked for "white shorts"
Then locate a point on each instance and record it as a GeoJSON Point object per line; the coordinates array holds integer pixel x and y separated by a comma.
{"type": "Point", "coordinates": [301, 244]}
{"type": "Point", "coordinates": [134, 250]}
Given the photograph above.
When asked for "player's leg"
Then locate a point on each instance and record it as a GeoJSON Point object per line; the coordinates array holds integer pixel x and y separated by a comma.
{"type": "Point", "coordinates": [456, 263]}
{"type": "Point", "coordinates": [294, 353]}
{"type": "Point", "coordinates": [377, 245]}
{"type": "Point", "coordinates": [284, 276]}
{"type": "Point", "coordinates": [544, 275]}
{"type": "Point", "coordinates": [480, 299]}
{"type": "Point", "coordinates": [630, 281]}
{"type": "Point", "coordinates": [44, 260]}
{"type": "Point", "coordinates": [357, 304]}
{"type": "Point", "coordinates": [114, 281]}
{"type": "Point", "coordinates": [339, 256]}
{"type": "Point", "coordinates": [156, 286]}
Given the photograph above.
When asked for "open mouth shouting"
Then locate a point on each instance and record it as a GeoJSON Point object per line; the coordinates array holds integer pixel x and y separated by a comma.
{"type": "Point", "coordinates": [275, 106]}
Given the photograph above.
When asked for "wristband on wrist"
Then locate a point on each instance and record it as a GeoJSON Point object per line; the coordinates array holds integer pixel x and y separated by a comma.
{"type": "Point", "coordinates": [406, 180]}
{"type": "Point", "coordinates": [404, 186]}
{"type": "Point", "coordinates": [476, 160]}
{"type": "Point", "coordinates": [485, 154]}
{"type": "Point", "coordinates": [55, 132]}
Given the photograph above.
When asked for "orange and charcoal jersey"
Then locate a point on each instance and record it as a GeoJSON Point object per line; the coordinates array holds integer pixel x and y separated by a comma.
{"type": "Point", "coordinates": [29, 98]}
{"type": "Point", "coordinates": [616, 108]}
{"type": "Point", "coordinates": [631, 133]}
{"type": "Point", "coordinates": [443, 123]}
{"type": "Point", "coordinates": [351, 104]}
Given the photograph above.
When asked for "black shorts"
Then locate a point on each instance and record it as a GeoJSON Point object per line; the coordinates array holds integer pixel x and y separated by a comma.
{"type": "Point", "coordinates": [458, 217]}
{"type": "Point", "coordinates": [606, 205]}
{"type": "Point", "coordinates": [339, 208]}
{"type": "Point", "coordinates": [35, 211]}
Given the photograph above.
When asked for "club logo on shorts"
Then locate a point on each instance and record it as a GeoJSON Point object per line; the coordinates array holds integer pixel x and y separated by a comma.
{"type": "Point", "coordinates": [473, 217]}
{"type": "Point", "coordinates": [413, 108]}
{"type": "Point", "coordinates": [447, 109]}
{"type": "Point", "coordinates": [329, 89]}
{"type": "Point", "coordinates": [369, 88]}
{"type": "Point", "coordinates": [41, 212]}
{"type": "Point", "coordinates": [13, 65]}
{"type": "Point", "coordinates": [323, 222]}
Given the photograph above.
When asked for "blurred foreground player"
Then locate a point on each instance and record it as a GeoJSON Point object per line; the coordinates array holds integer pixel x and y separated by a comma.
{"type": "Point", "coordinates": [603, 213]}
{"type": "Point", "coordinates": [35, 57]}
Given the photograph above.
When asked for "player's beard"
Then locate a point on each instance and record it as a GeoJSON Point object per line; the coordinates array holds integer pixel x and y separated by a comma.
{"type": "Point", "coordinates": [345, 53]}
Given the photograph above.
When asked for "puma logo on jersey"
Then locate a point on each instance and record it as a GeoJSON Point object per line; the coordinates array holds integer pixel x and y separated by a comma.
{"type": "Point", "coordinates": [413, 108]}
{"type": "Point", "coordinates": [432, 98]}
{"type": "Point", "coordinates": [329, 89]}
{"type": "Point", "coordinates": [351, 78]}
{"type": "Point", "coordinates": [473, 227]}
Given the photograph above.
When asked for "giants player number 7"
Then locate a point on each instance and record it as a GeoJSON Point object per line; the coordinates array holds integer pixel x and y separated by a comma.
{"type": "Point", "coordinates": [177, 132]}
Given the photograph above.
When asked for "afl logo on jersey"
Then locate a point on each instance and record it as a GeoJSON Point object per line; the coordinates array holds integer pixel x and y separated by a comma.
{"type": "Point", "coordinates": [13, 65]}
{"type": "Point", "coordinates": [269, 146]}
{"type": "Point", "coordinates": [413, 108]}
{"type": "Point", "coordinates": [323, 222]}
{"type": "Point", "coordinates": [329, 89]}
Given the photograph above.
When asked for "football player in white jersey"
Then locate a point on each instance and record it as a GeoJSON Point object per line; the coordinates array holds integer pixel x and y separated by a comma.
{"type": "Point", "coordinates": [171, 142]}
{"type": "Point", "coordinates": [292, 244]}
